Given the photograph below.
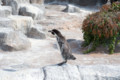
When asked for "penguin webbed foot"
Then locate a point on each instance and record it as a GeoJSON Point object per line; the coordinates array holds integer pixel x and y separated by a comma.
{"type": "Point", "coordinates": [59, 64]}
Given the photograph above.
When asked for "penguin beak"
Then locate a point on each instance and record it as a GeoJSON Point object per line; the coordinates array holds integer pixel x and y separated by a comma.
{"type": "Point", "coordinates": [49, 31]}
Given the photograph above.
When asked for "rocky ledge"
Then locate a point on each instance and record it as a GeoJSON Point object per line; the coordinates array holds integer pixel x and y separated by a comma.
{"type": "Point", "coordinates": [64, 72]}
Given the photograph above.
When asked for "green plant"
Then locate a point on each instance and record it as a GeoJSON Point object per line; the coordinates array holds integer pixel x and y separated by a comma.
{"type": "Point", "coordinates": [116, 6]}
{"type": "Point", "coordinates": [102, 27]}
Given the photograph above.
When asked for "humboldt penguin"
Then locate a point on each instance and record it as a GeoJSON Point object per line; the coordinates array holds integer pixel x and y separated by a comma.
{"type": "Point", "coordinates": [63, 46]}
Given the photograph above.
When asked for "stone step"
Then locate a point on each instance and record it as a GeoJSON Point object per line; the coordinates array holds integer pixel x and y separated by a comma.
{"type": "Point", "coordinates": [15, 4]}
{"type": "Point", "coordinates": [37, 1]}
{"type": "Point", "coordinates": [6, 22]}
{"type": "Point", "coordinates": [32, 11]}
{"type": "Point", "coordinates": [5, 2]}
{"type": "Point", "coordinates": [18, 23]}
{"type": "Point", "coordinates": [64, 72]}
{"type": "Point", "coordinates": [21, 23]}
{"type": "Point", "coordinates": [5, 11]}
{"type": "Point", "coordinates": [11, 40]}
{"type": "Point", "coordinates": [37, 32]}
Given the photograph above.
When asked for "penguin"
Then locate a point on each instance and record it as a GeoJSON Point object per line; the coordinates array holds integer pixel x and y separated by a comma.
{"type": "Point", "coordinates": [63, 46]}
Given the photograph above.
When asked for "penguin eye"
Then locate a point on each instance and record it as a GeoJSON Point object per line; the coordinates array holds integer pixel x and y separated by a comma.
{"type": "Point", "coordinates": [53, 33]}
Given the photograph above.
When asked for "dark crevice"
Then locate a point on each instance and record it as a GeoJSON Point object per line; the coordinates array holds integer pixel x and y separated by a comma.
{"type": "Point", "coordinates": [80, 73]}
{"type": "Point", "coordinates": [45, 74]}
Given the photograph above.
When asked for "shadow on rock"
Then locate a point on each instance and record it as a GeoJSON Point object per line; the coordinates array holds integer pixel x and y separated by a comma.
{"type": "Point", "coordinates": [9, 70]}
{"type": "Point", "coordinates": [75, 45]}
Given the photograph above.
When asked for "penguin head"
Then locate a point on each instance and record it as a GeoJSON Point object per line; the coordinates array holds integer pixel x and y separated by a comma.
{"type": "Point", "coordinates": [51, 32]}
{"type": "Point", "coordinates": [54, 32]}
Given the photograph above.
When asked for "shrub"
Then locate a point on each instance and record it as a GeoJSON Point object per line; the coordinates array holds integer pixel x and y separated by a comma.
{"type": "Point", "coordinates": [102, 27]}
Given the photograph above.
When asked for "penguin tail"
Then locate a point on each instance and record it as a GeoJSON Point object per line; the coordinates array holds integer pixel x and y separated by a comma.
{"type": "Point", "coordinates": [72, 57]}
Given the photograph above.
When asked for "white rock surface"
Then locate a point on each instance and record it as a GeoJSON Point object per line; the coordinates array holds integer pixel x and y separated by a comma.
{"type": "Point", "coordinates": [65, 72]}
{"type": "Point", "coordinates": [11, 40]}
{"type": "Point", "coordinates": [3, 33]}
{"type": "Point", "coordinates": [99, 72]}
{"type": "Point", "coordinates": [13, 4]}
{"type": "Point", "coordinates": [28, 74]}
{"type": "Point", "coordinates": [32, 11]}
{"type": "Point", "coordinates": [36, 32]}
{"type": "Point", "coordinates": [5, 11]}
{"type": "Point", "coordinates": [0, 2]}
{"type": "Point", "coordinates": [6, 22]}
{"type": "Point", "coordinates": [18, 1]}
{"type": "Point", "coordinates": [23, 1]}
{"type": "Point", "coordinates": [72, 9]}
{"type": "Point", "coordinates": [37, 1]}
{"type": "Point", "coordinates": [21, 23]}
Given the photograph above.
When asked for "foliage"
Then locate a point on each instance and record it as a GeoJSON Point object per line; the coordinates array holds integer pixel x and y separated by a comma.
{"type": "Point", "coordinates": [102, 27]}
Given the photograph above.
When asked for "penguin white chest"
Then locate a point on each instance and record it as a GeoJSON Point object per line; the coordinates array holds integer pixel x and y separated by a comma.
{"type": "Point", "coordinates": [58, 46]}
